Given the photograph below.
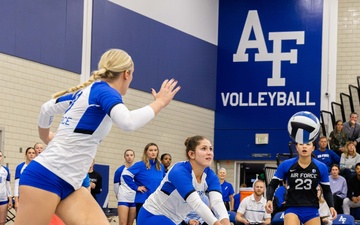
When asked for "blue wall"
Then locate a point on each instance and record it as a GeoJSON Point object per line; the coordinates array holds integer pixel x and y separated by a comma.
{"type": "Point", "coordinates": [237, 78]}
{"type": "Point", "coordinates": [50, 32]}
{"type": "Point", "coordinates": [269, 67]}
{"type": "Point", "coordinates": [44, 31]}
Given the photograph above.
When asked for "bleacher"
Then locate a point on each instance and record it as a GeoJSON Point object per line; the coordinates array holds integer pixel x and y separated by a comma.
{"type": "Point", "coordinates": [349, 102]}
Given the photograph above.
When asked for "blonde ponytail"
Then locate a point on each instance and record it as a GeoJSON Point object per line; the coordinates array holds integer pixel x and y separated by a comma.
{"type": "Point", "coordinates": [112, 63]}
{"type": "Point", "coordinates": [76, 88]}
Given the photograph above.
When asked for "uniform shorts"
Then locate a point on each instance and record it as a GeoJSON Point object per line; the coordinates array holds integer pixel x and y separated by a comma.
{"type": "Point", "coordinates": [145, 217]}
{"type": "Point", "coordinates": [304, 213]}
{"type": "Point", "coordinates": [4, 202]}
{"type": "Point", "coordinates": [36, 175]}
{"type": "Point", "coordinates": [128, 204]}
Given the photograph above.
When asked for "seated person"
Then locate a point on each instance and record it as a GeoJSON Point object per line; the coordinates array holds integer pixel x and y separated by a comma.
{"type": "Point", "coordinates": [194, 219]}
{"type": "Point", "coordinates": [338, 187]}
{"type": "Point", "coordinates": [353, 195]}
{"type": "Point", "coordinates": [324, 210]}
{"type": "Point", "coordinates": [279, 199]}
{"type": "Point", "coordinates": [252, 208]}
{"type": "Point", "coordinates": [237, 199]}
{"type": "Point", "coordinates": [348, 161]}
{"type": "Point", "coordinates": [338, 138]}
{"type": "Point", "coordinates": [325, 155]}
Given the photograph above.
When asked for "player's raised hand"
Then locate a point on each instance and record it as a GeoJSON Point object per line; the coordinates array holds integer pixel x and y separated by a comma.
{"type": "Point", "coordinates": [164, 96]}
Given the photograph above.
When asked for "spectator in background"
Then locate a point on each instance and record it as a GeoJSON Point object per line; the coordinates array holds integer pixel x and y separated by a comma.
{"type": "Point", "coordinates": [338, 186]}
{"type": "Point", "coordinates": [124, 194]}
{"type": "Point", "coordinates": [353, 195]}
{"type": "Point", "coordinates": [325, 155]}
{"type": "Point", "coordinates": [338, 138]}
{"type": "Point", "coordinates": [237, 198]}
{"type": "Point", "coordinates": [352, 129]}
{"type": "Point", "coordinates": [95, 180]}
{"type": "Point", "coordinates": [252, 208]}
{"type": "Point", "coordinates": [5, 194]}
{"type": "Point", "coordinates": [280, 198]}
{"type": "Point", "coordinates": [324, 210]}
{"type": "Point", "coordinates": [146, 175]}
{"type": "Point", "coordinates": [348, 161]}
{"type": "Point", "coordinates": [30, 154]}
{"type": "Point", "coordinates": [166, 161]}
{"type": "Point", "coordinates": [38, 148]}
{"type": "Point", "coordinates": [227, 190]}
{"type": "Point", "coordinates": [193, 218]}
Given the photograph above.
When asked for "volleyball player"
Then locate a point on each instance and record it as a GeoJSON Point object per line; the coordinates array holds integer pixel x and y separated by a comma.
{"type": "Point", "coordinates": [30, 154]}
{"type": "Point", "coordinates": [124, 194]}
{"type": "Point", "coordinates": [303, 174]}
{"type": "Point", "coordinates": [52, 182]}
{"type": "Point", "coordinates": [5, 192]}
{"type": "Point", "coordinates": [180, 190]}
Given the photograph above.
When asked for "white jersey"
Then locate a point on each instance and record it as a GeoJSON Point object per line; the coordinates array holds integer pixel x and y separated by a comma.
{"type": "Point", "coordinates": [5, 189]}
{"type": "Point", "coordinates": [179, 193]}
{"type": "Point", "coordinates": [88, 116]}
{"type": "Point", "coordinates": [18, 171]}
{"type": "Point", "coordinates": [125, 194]}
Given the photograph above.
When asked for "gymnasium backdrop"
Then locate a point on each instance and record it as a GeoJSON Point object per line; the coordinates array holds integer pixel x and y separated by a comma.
{"type": "Point", "coordinates": [50, 32]}
{"type": "Point", "coordinates": [254, 62]}
{"type": "Point", "coordinates": [269, 67]}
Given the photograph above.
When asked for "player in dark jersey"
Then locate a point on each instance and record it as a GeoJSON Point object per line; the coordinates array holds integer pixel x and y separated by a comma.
{"type": "Point", "coordinates": [303, 174]}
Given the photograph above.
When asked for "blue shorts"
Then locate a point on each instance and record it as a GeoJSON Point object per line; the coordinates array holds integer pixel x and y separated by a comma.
{"type": "Point", "coordinates": [4, 202]}
{"type": "Point", "coordinates": [128, 204]}
{"type": "Point", "coordinates": [145, 217]}
{"type": "Point", "coordinates": [36, 175]}
{"type": "Point", "coordinates": [304, 213]}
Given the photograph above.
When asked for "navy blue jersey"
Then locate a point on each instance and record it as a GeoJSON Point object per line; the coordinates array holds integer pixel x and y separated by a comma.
{"type": "Point", "coordinates": [302, 182]}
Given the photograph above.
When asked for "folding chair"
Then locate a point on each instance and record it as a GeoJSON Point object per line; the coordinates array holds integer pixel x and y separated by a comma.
{"type": "Point", "coordinates": [344, 219]}
{"type": "Point", "coordinates": [278, 219]}
{"type": "Point", "coordinates": [10, 216]}
{"type": "Point", "coordinates": [280, 157]}
{"type": "Point", "coordinates": [232, 216]}
{"type": "Point", "coordinates": [110, 213]}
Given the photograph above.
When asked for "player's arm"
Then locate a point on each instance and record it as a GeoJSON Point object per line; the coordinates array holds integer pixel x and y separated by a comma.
{"type": "Point", "coordinates": [47, 112]}
{"type": "Point", "coordinates": [131, 120]}
{"type": "Point", "coordinates": [270, 190]}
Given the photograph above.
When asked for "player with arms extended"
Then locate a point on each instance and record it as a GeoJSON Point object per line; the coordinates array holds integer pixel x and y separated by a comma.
{"type": "Point", "coordinates": [303, 174]}
{"type": "Point", "coordinates": [51, 183]}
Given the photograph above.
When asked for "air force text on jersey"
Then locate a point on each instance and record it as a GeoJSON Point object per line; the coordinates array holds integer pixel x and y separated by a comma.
{"type": "Point", "coordinates": [285, 97]}
{"type": "Point", "coordinates": [304, 175]}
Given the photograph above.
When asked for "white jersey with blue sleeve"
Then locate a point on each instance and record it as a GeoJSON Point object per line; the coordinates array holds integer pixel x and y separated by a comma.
{"type": "Point", "coordinates": [88, 116]}
{"type": "Point", "coordinates": [117, 176]}
{"type": "Point", "coordinates": [18, 171]}
{"type": "Point", "coordinates": [5, 189]}
{"type": "Point", "coordinates": [178, 194]}
{"type": "Point", "coordinates": [124, 193]}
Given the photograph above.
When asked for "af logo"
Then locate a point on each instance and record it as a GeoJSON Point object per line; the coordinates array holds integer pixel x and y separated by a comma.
{"type": "Point", "coordinates": [277, 56]}
{"type": "Point", "coordinates": [342, 220]}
